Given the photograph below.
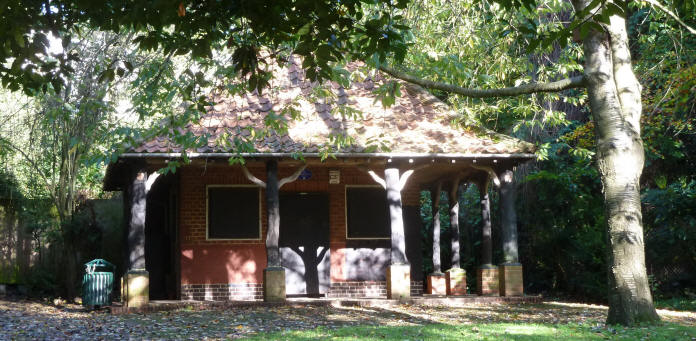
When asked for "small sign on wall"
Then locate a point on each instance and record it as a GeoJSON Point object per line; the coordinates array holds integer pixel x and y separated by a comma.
{"type": "Point", "coordinates": [305, 175]}
{"type": "Point", "coordinates": [334, 177]}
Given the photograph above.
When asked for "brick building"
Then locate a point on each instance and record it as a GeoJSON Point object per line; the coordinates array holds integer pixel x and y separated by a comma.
{"type": "Point", "coordinates": [306, 215]}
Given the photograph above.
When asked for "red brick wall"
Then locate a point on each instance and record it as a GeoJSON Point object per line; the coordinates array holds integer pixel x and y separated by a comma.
{"type": "Point", "coordinates": [211, 262]}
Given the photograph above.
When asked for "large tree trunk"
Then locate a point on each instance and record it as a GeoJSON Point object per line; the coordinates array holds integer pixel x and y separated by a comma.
{"type": "Point", "coordinates": [614, 95]}
{"type": "Point", "coordinates": [615, 102]}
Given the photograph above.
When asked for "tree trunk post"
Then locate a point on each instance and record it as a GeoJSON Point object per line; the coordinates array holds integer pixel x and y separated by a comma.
{"type": "Point", "coordinates": [399, 271]}
{"type": "Point", "coordinates": [615, 102]}
{"type": "Point", "coordinates": [436, 280]}
{"type": "Point", "coordinates": [398, 239]}
{"type": "Point", "coordinates": [455, 277]}
{"type": "Point", "coordinates": [274, 274]}
{"type": "Point", "coordinates": [487, 272]}
{"type": "Point", "coordinates": [454, 221]}
{"type": "Point", "coordinates": [510, 271]}
{"type": "Point", "coordinates": [136, 284]}
{"type": "Point", "coordinates": [435, 199]}
{"type": "Point", "coordinates": [486, 241]}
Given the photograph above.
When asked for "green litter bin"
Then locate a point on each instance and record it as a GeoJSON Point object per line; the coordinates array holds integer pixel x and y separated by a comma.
{"type": "Point", "coordinates": [97, 283]}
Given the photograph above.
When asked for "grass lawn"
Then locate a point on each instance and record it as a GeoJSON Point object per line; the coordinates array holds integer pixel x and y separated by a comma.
{"type": "Point", "coordinates": [550, 320]}
{"type": "Point", "coordinates": [491, 331]}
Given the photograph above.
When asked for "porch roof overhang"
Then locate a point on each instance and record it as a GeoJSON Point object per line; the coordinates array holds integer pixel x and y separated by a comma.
{"type": "Point", "coordinates": [337, 155]}
{"type": "Point", "coordinates": [440, 165]}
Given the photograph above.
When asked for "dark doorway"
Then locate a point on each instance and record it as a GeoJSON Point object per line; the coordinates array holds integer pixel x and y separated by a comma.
{"type": "Point", "coordinates": [304, 242]}
{"type": "Point", "coordinates": [161, 238]}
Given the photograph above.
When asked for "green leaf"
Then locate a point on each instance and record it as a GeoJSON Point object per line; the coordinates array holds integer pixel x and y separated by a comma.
{"type": "Point", "coordinates": [19, 38]}
{"type": "Point", "coordinates": [304, 29]}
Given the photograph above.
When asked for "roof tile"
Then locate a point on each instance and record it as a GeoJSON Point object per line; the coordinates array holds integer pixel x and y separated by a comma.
{"type": "Point", "coordinates": [418, 122]}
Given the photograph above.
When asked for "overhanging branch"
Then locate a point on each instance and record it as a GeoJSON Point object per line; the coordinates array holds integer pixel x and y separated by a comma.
{"type": "Point", "coordinates": [674, 16]}
{"type": "Point", "coordinates": [564, 84]}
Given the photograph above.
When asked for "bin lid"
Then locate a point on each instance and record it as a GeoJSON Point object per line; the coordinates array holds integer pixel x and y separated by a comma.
{"type": "Point", "coordinates": [97, 263]}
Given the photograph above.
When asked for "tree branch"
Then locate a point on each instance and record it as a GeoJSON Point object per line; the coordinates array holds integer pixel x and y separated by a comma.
{"type": "Point", "coordinates": [404, 177]}
{"type": "Point", "coordinates": [564, 84]}
{"type": "Point", "coordinates": [292, 177]}
{"type": "Point", "coordinates": [491, 173]}
{"type": "Point", "coordinates": [674, 16]}
{"type": "Point", "coordinates": [151, 180]}
{"type": "Point", "coordinates": [252, 178]}
{"type": "Point", "coordinates": [377, 178]}
{"type": "Point", "coordinates": [49, 185]}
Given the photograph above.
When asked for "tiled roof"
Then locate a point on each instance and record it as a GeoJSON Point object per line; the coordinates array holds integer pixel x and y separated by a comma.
{"type": "Point", "coordinates": [418, 122]}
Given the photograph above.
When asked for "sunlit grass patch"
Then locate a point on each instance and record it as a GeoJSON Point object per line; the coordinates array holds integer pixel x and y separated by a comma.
{"type": "Point", "coordinates": [491, 331]}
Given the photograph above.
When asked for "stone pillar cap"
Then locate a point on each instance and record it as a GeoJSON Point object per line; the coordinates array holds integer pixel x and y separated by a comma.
{"type": "Point", "coordinates": [487, 266]}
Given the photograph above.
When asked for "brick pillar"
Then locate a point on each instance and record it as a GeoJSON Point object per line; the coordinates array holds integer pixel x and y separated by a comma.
{"type": "Point", "coordinates": [436, 284]}
{"type": "Point", "coordinates": [455, 279]}
{"type": "Point", "coordinates": [488, 280]}
{"type": "Point", "coordinates": [274, 284]}
{"type": "Point", "coordinates": [136, 289]}
{"type": "Point", "coordinates": [511, 283]}
{"type": "Point", "coordinates": [399, 281]}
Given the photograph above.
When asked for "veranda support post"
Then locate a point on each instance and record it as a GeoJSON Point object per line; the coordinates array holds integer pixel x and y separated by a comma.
{"type": "Point", "coordinates": [436, 280]}
{"type": "Point", "coordinates": [455, 277]}
{"type": "Point", "coordinates": [399, 271]}
{"type": "Point", "coordinates": [510, 271]}
{"type": "Point", "coordinates": [137, 280]}
{"type": "Point", "coordinates": [487, 272]}
{"type": "Point", "coordinates": [274, 274]}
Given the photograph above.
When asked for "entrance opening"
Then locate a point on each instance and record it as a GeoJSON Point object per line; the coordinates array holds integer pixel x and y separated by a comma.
{"type": "Point", "coordinates": [304, 243]}
{"type": "Point", "coordinates": [161, 239]}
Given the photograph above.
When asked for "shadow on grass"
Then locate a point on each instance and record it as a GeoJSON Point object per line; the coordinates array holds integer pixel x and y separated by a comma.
{"type": "Point", "coordinates": [491, 331]}
{"type": "Point", "coordinates": [521, 332]}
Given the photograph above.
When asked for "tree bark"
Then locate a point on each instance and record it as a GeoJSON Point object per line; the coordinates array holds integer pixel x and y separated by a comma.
{"type": "Point", "coordinates": [435, 203]}
{"type": "Point", "coordinates": [273, 214]}
{"type": "Point", "coordinates": [454, 221]}
{"type": "Point", "coordinates": [398, 238]}
{"type": "Point", "coordinates": [508, 218]}
{"type": "Point", "coordinates": [614, 95]}
{"type": "Point", "coordinates": [486, 240]}
{"type": "Point", "coordinates": [615, 103]}
{"type": "Point", "coordinates": [564, 84]}
{"type": "Point", "coordinates": [136, 226]}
